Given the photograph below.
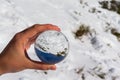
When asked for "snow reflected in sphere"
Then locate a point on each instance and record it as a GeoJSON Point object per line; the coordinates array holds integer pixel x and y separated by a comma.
{"type": "Point", "coordinates": [51, 46]}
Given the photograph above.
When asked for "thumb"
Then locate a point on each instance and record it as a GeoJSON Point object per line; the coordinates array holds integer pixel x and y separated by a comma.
{"type": "Point", "coordinates": [31, 64]}
{"type": "Point", "coordinates": [41, 66]}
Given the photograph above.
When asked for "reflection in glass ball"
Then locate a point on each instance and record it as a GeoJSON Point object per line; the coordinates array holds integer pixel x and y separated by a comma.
{"type": "Point", "coordinates": [51, 46]}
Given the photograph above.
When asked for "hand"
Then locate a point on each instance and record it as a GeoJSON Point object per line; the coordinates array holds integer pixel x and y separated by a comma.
{"type": "Point", "coordinates": [14, 57]}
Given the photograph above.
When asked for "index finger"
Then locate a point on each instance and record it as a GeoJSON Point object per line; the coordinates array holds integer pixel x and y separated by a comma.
{"type": "Point", "coordinates": [37, 28]}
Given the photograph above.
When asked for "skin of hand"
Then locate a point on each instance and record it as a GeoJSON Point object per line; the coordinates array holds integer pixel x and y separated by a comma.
{"type": "Point", "coordinates": [14, 57]}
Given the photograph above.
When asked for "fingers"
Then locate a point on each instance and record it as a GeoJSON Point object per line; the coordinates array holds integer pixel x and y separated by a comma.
{"type": "Point", "coordinates": [37, 28]}
{"type": "Point", "coordinates": [41, 66]}
{"type": "Point", "coordinates": [31, 33]}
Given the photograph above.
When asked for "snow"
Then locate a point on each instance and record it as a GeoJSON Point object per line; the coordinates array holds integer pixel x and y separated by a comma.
{"type": "Point", "coordinates": [85, 60]}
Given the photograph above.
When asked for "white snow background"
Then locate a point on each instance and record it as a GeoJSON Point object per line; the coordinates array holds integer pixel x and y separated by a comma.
{"type": "Point", "coordinates": [86, 61]}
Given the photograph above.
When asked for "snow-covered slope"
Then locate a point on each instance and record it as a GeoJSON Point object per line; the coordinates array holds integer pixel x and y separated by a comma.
{"type": "Point", "coordinates": [94, 57]}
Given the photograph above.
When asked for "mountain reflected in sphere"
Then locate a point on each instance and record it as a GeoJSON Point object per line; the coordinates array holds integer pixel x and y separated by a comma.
{"type": "Point", "coordinates": [51, 46]}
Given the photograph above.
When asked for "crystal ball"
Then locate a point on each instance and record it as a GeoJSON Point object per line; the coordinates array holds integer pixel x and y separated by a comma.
{"type": "Point", "coordinates": [51, 46]}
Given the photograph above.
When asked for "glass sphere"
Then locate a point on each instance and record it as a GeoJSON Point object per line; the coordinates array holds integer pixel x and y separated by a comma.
{"type": "Point", "coordinates": [51, 46]}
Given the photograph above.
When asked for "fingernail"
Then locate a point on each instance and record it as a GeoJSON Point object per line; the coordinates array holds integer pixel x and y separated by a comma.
{"type": "Point", "coordinates": [53, 67]}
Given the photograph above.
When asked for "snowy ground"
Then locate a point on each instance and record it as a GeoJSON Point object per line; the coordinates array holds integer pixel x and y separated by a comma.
{"type": "Point", "coordinates": [86, 60]}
